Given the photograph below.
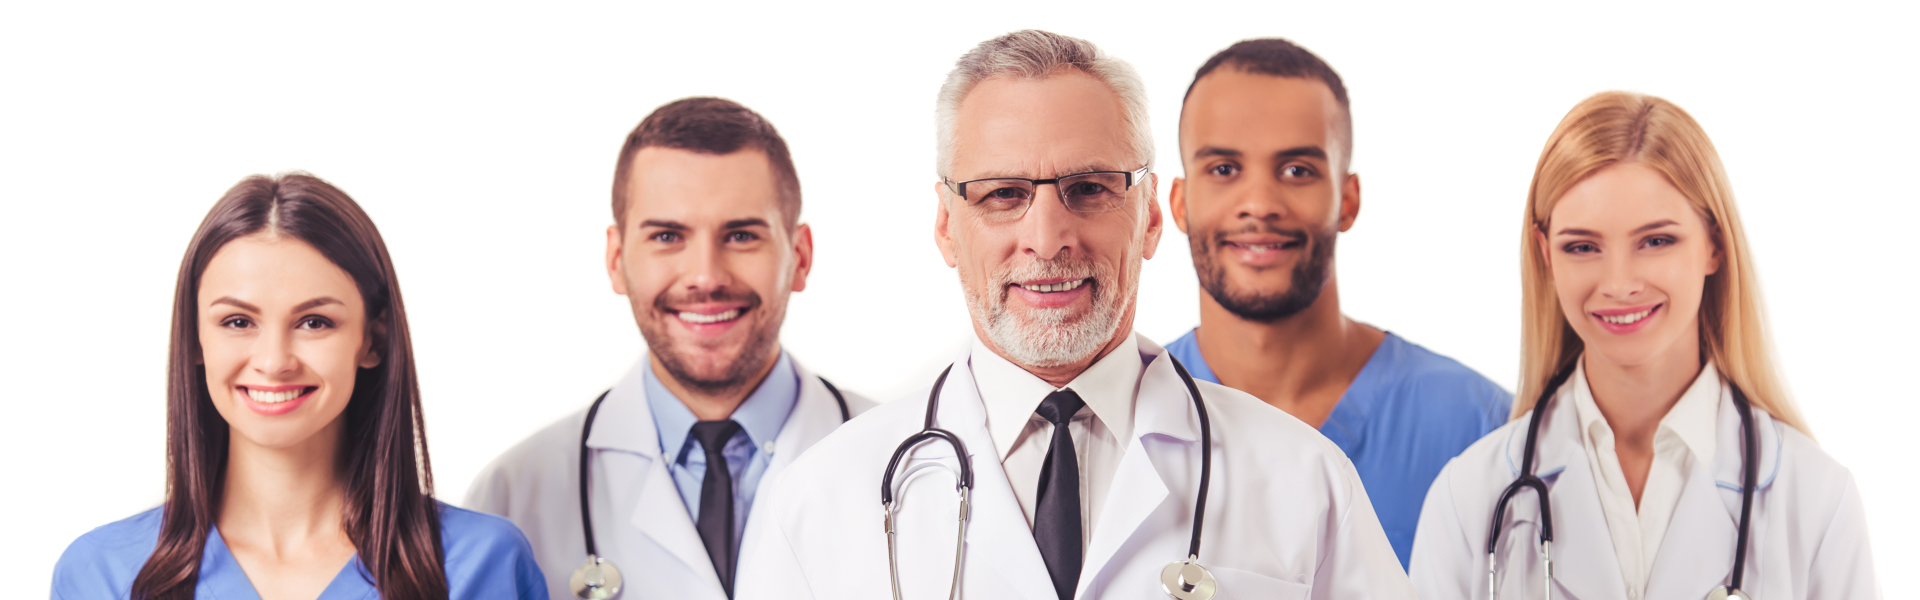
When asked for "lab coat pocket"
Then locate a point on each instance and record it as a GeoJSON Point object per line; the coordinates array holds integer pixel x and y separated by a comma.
{"type": "Point", "coordinates": [1236, 584]}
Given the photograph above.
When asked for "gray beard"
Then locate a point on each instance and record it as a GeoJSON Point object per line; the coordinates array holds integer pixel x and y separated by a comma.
{"type": "Point", "coordinates": [1050, 337]}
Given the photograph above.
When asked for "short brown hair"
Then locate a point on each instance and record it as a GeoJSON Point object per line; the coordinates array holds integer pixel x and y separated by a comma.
{"type": "Point", "coordinates": [709, 125]}
{"type": "Point", "coordinates": [1281, 58]}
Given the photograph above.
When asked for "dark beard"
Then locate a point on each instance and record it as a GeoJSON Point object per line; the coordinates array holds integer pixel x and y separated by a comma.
{"type": "Point", "coordinates": [734, 376]}
{"type": "Point", "coordinates": [1309, 276]}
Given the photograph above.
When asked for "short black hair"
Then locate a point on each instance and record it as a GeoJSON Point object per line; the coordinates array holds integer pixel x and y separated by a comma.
{"type": "Point", "coordinates": [708, 125]}
{"type": "Point", "coordinates": [1281, 58]}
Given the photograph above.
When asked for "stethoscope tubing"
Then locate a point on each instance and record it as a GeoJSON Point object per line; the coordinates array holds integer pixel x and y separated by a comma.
{"type": "Point", "coordinates": [1750, 472]}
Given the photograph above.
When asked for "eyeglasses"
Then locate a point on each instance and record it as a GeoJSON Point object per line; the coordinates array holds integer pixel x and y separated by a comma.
{"type": "Point", "coordinates": [1008, 198]}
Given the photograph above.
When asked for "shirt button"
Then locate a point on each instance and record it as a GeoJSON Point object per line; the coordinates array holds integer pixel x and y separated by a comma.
{"type": "Point", "coordinates": [767, 447]}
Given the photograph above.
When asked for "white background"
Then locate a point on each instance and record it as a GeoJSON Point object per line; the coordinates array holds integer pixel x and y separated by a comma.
{"type": "Point", "coordinates": [482, 140]}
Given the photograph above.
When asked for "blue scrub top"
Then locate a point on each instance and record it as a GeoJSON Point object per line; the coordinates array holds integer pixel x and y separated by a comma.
{"type": "Point", "coordinates": [1406, 414]}
{"type": "Point", "coordinates": [486, 558]}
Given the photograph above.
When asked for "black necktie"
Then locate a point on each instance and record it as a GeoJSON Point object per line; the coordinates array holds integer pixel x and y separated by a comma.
{"type": "Point", "coordinates": [1056, 522]}
{"type": "Point", "coordinates": [716, 499]}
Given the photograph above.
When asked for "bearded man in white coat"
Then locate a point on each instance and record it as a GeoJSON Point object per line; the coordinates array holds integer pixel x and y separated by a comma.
{"type": "Point", "coordinates": [706, 246]}
{"type": "Point", "coordinates": [1084, 442]}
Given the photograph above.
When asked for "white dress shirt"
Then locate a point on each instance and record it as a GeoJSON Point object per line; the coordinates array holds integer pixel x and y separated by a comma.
{"type": "Point", "coordinates": [1684, 440]}
{"type": "Point", "coordinates": [1100, 430]}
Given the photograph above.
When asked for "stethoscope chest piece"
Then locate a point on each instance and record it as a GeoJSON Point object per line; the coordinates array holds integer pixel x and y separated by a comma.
{"type": "Point", "coordinates": [1187, 580]}
{"type": "Point", "coordinates": [598, 579]}
{"type": "Point", "coordinates": [1722, 593]}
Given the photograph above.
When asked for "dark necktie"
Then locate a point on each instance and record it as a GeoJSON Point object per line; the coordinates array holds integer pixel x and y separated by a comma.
{"type": "Point", "coordinates": [1056, 520]}
{"type": "Point", "coordinates": [716, 499]}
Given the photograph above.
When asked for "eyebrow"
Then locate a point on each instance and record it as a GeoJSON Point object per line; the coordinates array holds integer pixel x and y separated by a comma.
{"type": "Point", "coordinates": [303, 307]}
{"type": "Point", "coordinates": [1076, 170]}
{"type": "Point", "coordinates": [747, 222]}
{"type": "Point", "coordinates": [674, 225]}
{"type": "Point", "coordinates": [1637, 230]}
{"type": "Point", "coordinates": [1299, 152]}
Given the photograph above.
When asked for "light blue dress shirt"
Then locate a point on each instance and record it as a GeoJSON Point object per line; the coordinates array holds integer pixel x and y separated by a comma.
{"type": "Point", "coordinates": [486, 557]}
{"type": "Point", "coordinates": [748, 452]}
{"type": "Point", "coordinates": [1406, 414]}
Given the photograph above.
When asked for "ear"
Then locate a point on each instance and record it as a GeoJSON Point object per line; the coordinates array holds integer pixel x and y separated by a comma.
{"type": "Point", "coordinates": [369, 353]}
{"type": "Point", "coordinates": [942, 220]}
{"type": "Point", "coordinates": [1349, 201]}
{"type": "Point", "coordinates": [1156, 224]}
{"type": "Point", "coordinates": [802, 256]}
{"type": "Point", "coordinates": [1719, 256]}
{"type": "Point", "coordinates": [1177, 203]}
{"type": "Point", "coordinates": [616, 263]}
{"type": "Point", "coordinates": [1540, 243]}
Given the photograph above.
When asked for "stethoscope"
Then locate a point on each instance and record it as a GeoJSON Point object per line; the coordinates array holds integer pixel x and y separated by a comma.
{"type": "Point", "coordinates": [1181, 579]}
{"type": "Point", "coordinates": [1527, 480]}
{"type": "Point", "coordinates": [599, 578]}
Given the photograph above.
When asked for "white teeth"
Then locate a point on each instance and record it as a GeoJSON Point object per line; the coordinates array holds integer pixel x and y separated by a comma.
{"type": "Point", "coordinates": [697, 318]}
{"type": "Point", "coordinates": [1054, 287]}
{"type": "Point", "coordinates": [1627, 319]}
{"type": "Point", "coordinates": [1261, 247]}
{"type": "Point", "coordinates": [274, 397]}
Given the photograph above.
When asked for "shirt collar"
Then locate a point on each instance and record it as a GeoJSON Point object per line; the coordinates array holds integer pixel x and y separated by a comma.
{"type": "Point", "coordinates": [1692, 419]}
{"type": "Point", "coordinates": [1011, 394]}
{"type": "Point", "coordinates": [760, 416]}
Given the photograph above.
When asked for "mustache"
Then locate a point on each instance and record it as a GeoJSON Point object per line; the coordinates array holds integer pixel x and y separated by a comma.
{"type": "Point", "coordinates": [665, 301]}
{"type": "Point", "coordinates": [1299, 235]}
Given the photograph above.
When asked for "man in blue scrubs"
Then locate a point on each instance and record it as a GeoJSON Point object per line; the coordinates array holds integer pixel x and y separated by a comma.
{"type": "Point", "coordinates": [1266, 139]}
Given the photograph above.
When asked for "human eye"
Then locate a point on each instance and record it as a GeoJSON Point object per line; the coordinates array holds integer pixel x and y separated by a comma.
{"type": "Point", "coordinates": [1297, 171]}
{"type": "Point", "coordinates": [1224, 170]}
{"type": "Point", "coordinates": [1660, 241]}
{"type": "Point", "coordinates": [665, 237]}
{"type": "Point", "coordinates": [742, 237]}
{"type": "Point", "coordinates": [1002, 196]}
{"type": "Point", "coordinates": [314, 322]}
{"type": "Point", "coordinates": [237, 322]}
{"type": "Point", "coordinates": [1579, 248]}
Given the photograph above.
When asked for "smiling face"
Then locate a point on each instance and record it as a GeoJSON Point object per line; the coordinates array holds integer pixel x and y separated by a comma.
{"type": "Point", "coordinates": [1051, 287]}
{"type": "Point", "coordinates": [707, 262]}
{"type": "Point", "coordinates": [1266, 192]}
{"type": "Point", "coordinates": [283, 332]}
{"type": "Point", "coordinates": [1630, 257]}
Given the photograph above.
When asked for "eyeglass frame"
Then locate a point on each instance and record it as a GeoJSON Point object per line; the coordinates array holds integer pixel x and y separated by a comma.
{"type": "Point", "coordinates": [960, 188]}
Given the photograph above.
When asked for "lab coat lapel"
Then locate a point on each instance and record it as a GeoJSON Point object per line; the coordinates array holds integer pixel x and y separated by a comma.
{"type": "Point", "coordinates": [999, 542]}
{"type": "Point", "coordinates": [628, 443]}
{"type": "Point", "coordinates": [814, 416]}
{"type": "Point", "coordinates": [1582, 544]}
{"type": "Point", "coordinates": [1139, 489]}
{"type": "Point", "coordinates": [1696, 553]}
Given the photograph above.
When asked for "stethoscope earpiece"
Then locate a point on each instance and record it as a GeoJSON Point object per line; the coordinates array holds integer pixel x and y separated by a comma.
{"type": "Point", "coordinates": [598, 579]}
{"type": "Point", "coordinates": [1187, 580]}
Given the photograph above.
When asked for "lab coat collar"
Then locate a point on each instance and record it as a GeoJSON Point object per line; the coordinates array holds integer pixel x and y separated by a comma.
{"type": "Point", "coordinates": [1691, 418]}
{"type": "Point", "coordinates": [624, 423]}
{"type": "Point", "coordinates": [997, 521]}
{"type": "Point", "coordinates": [1162, 408]}
{"type": "Point", "coordinates": [1011, 394]}
{"type": "Point", "coordinates": [761, 415]}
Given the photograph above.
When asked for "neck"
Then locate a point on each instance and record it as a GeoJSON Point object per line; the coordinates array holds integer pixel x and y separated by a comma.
{"type": "Point", "coordinates": [286, 497]}
{"type": "Point", "coordinates": [1634, 398]}
{"type": "Point", "coordinates": [1059, 376]}
{"type": "Point", "coordinates": [713, 404]}
{"type": "Point", "coordinates": [1301, 364]}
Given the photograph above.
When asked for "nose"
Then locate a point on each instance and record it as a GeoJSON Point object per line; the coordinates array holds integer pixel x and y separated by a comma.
{"type": "Point", "coordinates": [1263, 200]}
{"type": "Point", "coordinates": [273, 353]}
{"type": "Point", "coordinates": [1620, 280]}
{"type": "Point", "coordinates": [1049, 228]}
{"type": "Point", "coordinates": [705, 267]}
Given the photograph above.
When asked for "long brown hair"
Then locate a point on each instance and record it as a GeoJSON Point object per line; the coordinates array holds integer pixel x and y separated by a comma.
{"type": "Point", "coordinates": [390, 514]}
{"type": "Point", "coordinates": [1617, 127]}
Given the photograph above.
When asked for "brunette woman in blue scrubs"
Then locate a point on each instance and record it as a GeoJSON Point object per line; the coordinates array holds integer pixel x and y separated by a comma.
{"type": "Point", "coordinates": [296, 458]}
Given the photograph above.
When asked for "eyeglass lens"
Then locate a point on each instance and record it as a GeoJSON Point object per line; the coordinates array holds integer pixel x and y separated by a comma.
{"type": "Point", "coordinates": [1083, 193]}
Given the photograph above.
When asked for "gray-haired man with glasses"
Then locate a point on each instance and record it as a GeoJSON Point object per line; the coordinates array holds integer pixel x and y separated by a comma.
{"type": "Point", "coordinates": [1082, 442]}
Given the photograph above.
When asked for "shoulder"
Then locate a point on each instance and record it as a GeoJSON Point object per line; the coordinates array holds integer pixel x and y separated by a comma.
{"type": "Point", "coordinates": [104, 561]}
{"type": "Point", "coordinates": [1248, 425]}
{"type": "Point", "coordinates": [1810, 476]}
{"type": "Point", "coordinates": [485, 552]}
{"type": "Point", "coordinates": [1487, 459]}
{"type": "Point", "coordinates": [549, 452]}
{"type": "Point", "coordinates": [1436, 378]}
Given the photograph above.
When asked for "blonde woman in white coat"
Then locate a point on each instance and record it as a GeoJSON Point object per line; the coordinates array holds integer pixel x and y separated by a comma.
{"type": "Point", "coordinates": [1643, 340]}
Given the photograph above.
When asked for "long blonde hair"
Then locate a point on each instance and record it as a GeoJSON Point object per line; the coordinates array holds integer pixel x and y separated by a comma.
{"type": "Point", "coordinates": [1617, 127]}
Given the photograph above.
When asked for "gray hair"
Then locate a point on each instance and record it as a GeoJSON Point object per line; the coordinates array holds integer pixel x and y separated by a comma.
{"type": "Point", "coordinates": [1036, 54]}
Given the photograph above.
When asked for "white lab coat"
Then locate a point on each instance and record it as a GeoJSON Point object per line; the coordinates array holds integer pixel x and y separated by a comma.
{"type": "Point", "coordinates": [1286, 515]}
{"type": "Point", "coordinates": [639, 519]}
{"type": "Point", "coordinates": [1809, 534]}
